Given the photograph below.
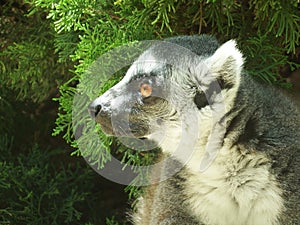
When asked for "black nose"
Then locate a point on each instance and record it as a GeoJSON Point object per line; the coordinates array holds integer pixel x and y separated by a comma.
{"type": "Point", "coordinates": [94, 110]}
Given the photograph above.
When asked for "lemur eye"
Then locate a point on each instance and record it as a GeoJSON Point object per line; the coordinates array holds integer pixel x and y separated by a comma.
{"type": "Point", "coordinates": [146, 90]}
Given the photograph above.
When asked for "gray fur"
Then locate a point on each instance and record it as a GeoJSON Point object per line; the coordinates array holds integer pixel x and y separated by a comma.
{"type": "Point", "coordinates": [255, 178]}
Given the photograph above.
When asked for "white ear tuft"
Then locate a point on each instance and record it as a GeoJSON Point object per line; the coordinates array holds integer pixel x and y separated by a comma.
{"type": "Point", "coordinates": [227, 62]}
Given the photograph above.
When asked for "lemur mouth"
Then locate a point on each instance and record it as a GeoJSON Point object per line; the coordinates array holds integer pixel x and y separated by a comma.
{"type": "Point", "coordinates": [120, 128]}
{"type": "Point", "coordinates": [106, 126]}
{"type": "Point", "coordinates": [118, 125]}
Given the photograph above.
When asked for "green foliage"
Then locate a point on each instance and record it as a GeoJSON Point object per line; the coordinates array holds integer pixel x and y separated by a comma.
{"type": "Point", "coordinates": [92, 28]}
{"type": "Point", "coordinates": [36, 190]}
{"type": "Point", "coordinates": [111, 221]}
{"type": "Point", "coordinates": [28, 63]}
{"type": "Point", "coordinates": [7, 112]}
{"type": "Point", "coordinates": [280, 19]}
{"type": "Point", "coordinates": [97, 28]}
{"type": "Point", "coordinates": [264, 67]}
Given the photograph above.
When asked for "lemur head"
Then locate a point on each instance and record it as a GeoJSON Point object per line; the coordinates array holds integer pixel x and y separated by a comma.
{"type": "Point", "coordinates": [167, 85]}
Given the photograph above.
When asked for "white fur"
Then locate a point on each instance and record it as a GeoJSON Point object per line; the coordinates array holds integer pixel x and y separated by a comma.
{"type": "Point", "coordinates": [227, 51]}
{"type": "Point", "coordinates": [226, 193]}
{"type": "Point", "coordinates": [146, 63]}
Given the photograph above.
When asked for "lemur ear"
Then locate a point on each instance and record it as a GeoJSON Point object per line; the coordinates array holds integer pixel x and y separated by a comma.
{"type": "Point", "coordinates": [226, 64]}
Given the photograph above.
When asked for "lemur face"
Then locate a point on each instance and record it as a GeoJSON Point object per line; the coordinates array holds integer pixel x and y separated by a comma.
{"type": "Point", "coordinates": [172, 89]}
{"type": "Point", "coordinates": [138, 103]}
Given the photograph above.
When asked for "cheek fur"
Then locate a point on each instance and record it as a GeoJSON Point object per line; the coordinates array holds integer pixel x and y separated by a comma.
{"type": "Point", "coordinates": [157, 108]}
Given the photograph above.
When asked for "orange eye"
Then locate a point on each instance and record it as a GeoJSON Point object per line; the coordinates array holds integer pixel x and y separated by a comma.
{"type": "Point", "coordinates": [146, 90]}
